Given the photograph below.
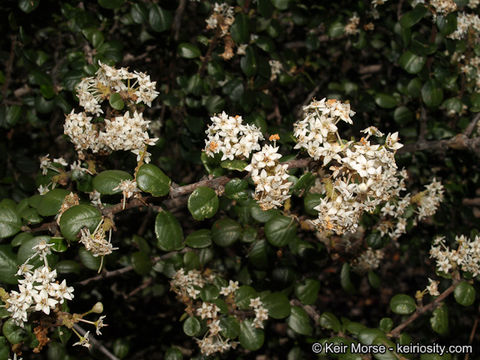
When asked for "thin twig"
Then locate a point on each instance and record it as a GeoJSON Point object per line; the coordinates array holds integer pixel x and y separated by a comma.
{"type": "Point", "coordinates": [107, 274]}
{"type": "Point", "coordinates": [177, 21]}
{"type": "Point", "coordinates": [95, 343]}
{"type": "Point", "coordinates": [421, 310]}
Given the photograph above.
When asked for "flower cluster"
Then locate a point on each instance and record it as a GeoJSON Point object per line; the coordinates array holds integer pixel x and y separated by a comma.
{"type": "Point", "coordinates": [228, 135]}
{"type": "Point", "coordinates": [187, 286]}
{"type": "Point", "coordinates": [363, 175]}
{"type": "Point", "coordinates": [276, 68]}
{"type": "Point", "coordinates": [261, 313]}
{"type": "Point", "coordinates": [96, 242]}
{"type": "Point", "coordinates": [443, 7]}
{"type": "Point", "coordinates": [368, 260]}
{"type": "Point", "coordinates": [466, 257]}
{"type": "Point", "coordinates": [270, 178]}
{"type": "Point", "coordinates": [223, 17]}
{"type": "Point", "coordinates": [352, 27]}
{"type": "Point", "coordinates": [117, 132]}
{"type": "Point", "coordinates": [465, 22]}
{"type": "Point", "coordinates": [38, 289]}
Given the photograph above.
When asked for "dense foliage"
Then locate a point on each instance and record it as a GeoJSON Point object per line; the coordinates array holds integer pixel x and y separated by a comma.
{"type": "Point", "coordinates": [238, 179]}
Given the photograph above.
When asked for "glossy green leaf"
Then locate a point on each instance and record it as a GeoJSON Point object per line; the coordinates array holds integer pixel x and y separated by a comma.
{"type": "Point", "coordinates": [121, 347]}
{"type": "Point", "coordinates": [250, 337]}
{"type": "Point", "coordinates": [310, 201]}
{"type": "Point", "coordinates": [249, 63]}
{"type": "Point", "coordinates": [141, 263]}
{"type": "Point", "coordinates": [10, 222]}
{"type": "Point", "coordinates": [243, 296]}
{"type": "Point", "coordinates": [280, 230]}
{"type": "Point", "coordinates": [168, 231]}
{"type": "Point", "coordinates": [51, 202]}
{"type": "Point", "coordinates": [385, 101]}
{"type": "Point", "coordinates": [116, 102]}
{"type": "Point", "coordinates": [8, 265]}
{"type": "Point", "coordinates": [412, 63]}
{"type": "Point", "coordinates": [464, 294]}
{"type": "Point", "coordinates": [402, 304]}
{"type": "Point", "coordinates": [307, 291]}
{"type": "Point", "coordinates": [277, 305]}
{"type": "Point", "coordinates": [345, 280]}
{"type": "Point", "coordinates": [88, 260]}
{"type": "Point", "coordinates": [203, 203]}
{"type": "Point", "coordinates": [192, 326]}
{"type": "Point", "coordinates": [78, 217]}
{"type": "Point", "coordinates": [235, 189]}
{"type": "Point", "coordinates": [439, 320]}
{"type": "Point", "coordinates": [447, 24]}
{"type": "Point", "coordinates": [199, 239]}
{"type": "Point", "coordinates": [230, 327]}
{"type": "Point", "coordinates": [14, 333]}
{"type": "Point", "coordinates": [188, 51]}
{"type": "Point", "coordinates": [432, 93]}
{"type": "Point", "coordinates": [225, 232]}
{"type": "Point", "coordinates": [159, 18]}
{"type": "Point", "coordinates": [299, 321]}
{"type": "Point", "coordinates": [237, 165]}
{"type": "Point", "coordinates": [412, 17]}
{"type": "Point", "coordinates": [107, 181]}
{"type": "Point", "coordinates": [240, 29]}
{"type": "Point", "coordinates": [330, 321]}
{"type": "Point", "coordinates": [28, 5]}
{"type": "Point", "coordinates": [153, 180]}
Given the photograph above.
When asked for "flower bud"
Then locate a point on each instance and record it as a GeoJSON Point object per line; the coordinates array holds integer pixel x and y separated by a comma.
{"type": "Point", "coordinates": [97, 308]}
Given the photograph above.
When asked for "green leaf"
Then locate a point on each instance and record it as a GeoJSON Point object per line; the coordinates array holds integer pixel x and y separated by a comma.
{"type": "Point", "coordinates": [240, 29]}
{"type": "Point", "coordinates": [277, 305]}
{"type": "Point", "coordinates": [153, 180]}
{"type": "Point", "coordinates": [159, 18]}
{"type": "Point", "coordinates": [88, 260]}
{"type": "Point", "coordinates": [8, 265]}
{"type": "Point", "coordinates": [192, 326]}
{"type": "Point", "coordinates": [169, 232]}
{"type": "Point", "coordinates": [203, 203]}
{"type": "Point", "coordinates": [237, 165]}
{"type": "Point", "coordinates": [299, 321]}
{"type": "Point", "coordinates": [138, 11]}
{"type": "Point", "coordinates": [188, 51]}
{"type": "Point", "coordinates": [374, 279]}
{"type": "Point", "coordinates": [367, 336]}
{"type": "Point", "coordinates": [386, 324]}
{"type": "Point", "coordinates": [345, 280]}
{"type": "Point", "coordinates": [307, 292]}
{"type": "Point", "coordinates": [310, 201]}
{"type": "Point", "coordinates": [4, 348]}
{"type": "Point", "coordinates": [262, 215]}
{"type": "Point", "coordinates": [402, 115]}
{"type": "Point", "coordinates": [51, 202]}
{"type": "Point", "coordinates": [235, 189]}
{"type": "Point", "coordinates": [412, 17]}
{"type": "Point", "coordinates": [106, 182]}
{"type": "Point", "coordinates": [121, 347]}
{"type": "Point", "coordinates": [28, 5]}
{"type": "Point", "coordinates": [10, 222]}
{"type": "Point", "coordinates": [68, 267]}
{"type": "Point", "coordinates": [250, 337]}
{"type": "Point", "coordinates": [249, 63]}
{"type": "Point", "coordinates": [19, 239]}
{"type": "Point", "coordinates": [225, 232]}
{"type": "Point", "coordinates": [439, 320]}
{"type": "Point", "coordinates": [59, 244]}
{"type": "Point", "coordinates": [412, 63]}
{"type": "Point", "coordinates": [304, 183]}
{"type": "Point", "coordinates": [26, 250]}
{"type": "Point", "coordinates": [230, 327]}
{"type": "Point", "coordinates": [385, 101]}
{"type": "Point", "coordinates": [173, 354]}
{"type": "Point", "coordinates": [111, 4]}
{"type": "Point", "coordinates": [116, 102]}
{"type": "Point", "coordinates": [199, 239]}
{"type": "Point", "coordinates": [432, 93]}
{"type": "Point", "coordinates": [336, 29]}
{"type": "Point", "coordinates": [330, 321]}
{"type": "Point", "coordinates": [141, 263]}
{"type": "Point", "coordinates": [76, 218]}
{"type": "Point", "coordinates": [280, 230]}
{"type": "Point", "coordinates": [464, 294]}
{"type": "Point", "coordinates": [14, 333]}
{"type": "Point", "coordinates": [447, 24]}
{"type": "Point", "coordinates": [402, 304]}
{"type": "Point", "coordinates": [243, 296]}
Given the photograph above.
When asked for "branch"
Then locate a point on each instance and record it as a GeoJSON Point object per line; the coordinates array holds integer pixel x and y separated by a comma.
{"type": "Point", "coordinates": [177, 21]}
{"type": "Point", "coordinates": [458, 142]}
{"type": "Point", "coordinates": [96, 344]}
{"type": "Point", "coordinates": [107, 274]}
{"type": "Point", "coordinates": [421, 310]}
{"type": "Point", "coordinates": [471, 202]}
